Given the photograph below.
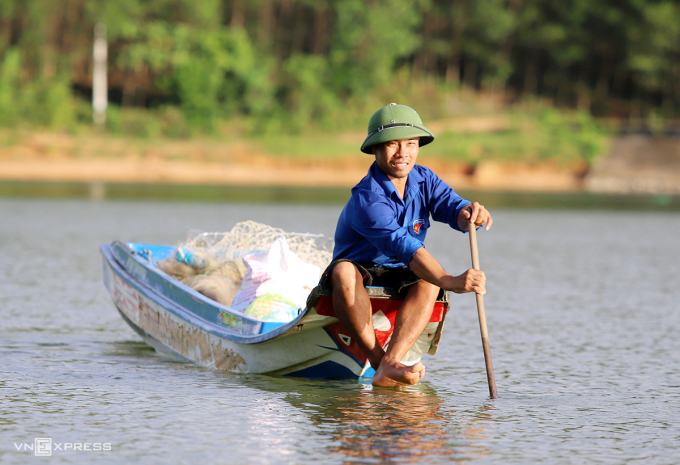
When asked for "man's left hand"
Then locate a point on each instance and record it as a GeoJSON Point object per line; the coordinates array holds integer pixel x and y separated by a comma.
{"type": "Point", "coordinates": [476, 213]}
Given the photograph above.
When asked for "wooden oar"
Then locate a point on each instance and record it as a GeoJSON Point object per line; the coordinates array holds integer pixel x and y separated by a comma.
{"type": "Point", "coordinates": [482, 316]}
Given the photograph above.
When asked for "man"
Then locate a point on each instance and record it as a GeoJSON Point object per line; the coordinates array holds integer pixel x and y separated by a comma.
{"type": "Point", "coordinates": [379, 240]}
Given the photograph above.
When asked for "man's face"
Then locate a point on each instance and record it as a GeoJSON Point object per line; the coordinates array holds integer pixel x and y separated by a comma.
{"type": "Point", "coordinates": [397, 157]}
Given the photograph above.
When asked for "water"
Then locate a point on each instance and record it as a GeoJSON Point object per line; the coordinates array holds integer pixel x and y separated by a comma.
{"type": "Point", "coordinates": [583, 316]}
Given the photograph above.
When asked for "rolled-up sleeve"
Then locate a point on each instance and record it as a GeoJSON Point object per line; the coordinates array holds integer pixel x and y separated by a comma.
{"type": "Point", "coordinates": [375, 219]}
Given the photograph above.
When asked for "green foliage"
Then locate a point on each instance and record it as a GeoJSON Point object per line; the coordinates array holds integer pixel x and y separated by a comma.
{"type": "Point", "coordinates": [132, 122]}
{"type": "Point", "coordinates": [309, 97]}
{"type": "Point", "coordinates": [211, 71]}
{"type": "Point", "coordinates": [370, 38]}
{"type": "Point", "coordinates": [569, 136]}
{"type": "Point", "coordinates": [546, 134]}
{"type": "Point", "coordinates": [160, 122]}
{"type": "Point", "coordinates": [299, 66]}
{"type": "Point", "coordinates": [46, 102]}
{"type": "Point", "coordinates": [10, 84]}
{"type": "Point", "coordinates": [654, 46]}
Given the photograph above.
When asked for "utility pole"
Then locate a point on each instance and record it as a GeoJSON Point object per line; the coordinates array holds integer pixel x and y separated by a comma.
{"type": "Point", "coordinates": [99, 82]}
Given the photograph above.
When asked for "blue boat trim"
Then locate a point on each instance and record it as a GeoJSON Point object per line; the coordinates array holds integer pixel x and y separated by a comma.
{"type": "Point", "coordinates": [154, 253]}
{"type": "Point", "coordinates": [324, 370]}
{"type": "Point", "coordinates": [368, 374]}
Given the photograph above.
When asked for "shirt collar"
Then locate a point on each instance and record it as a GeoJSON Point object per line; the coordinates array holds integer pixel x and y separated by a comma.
{"type": "Point", "coordinates": [383, 181]}
{"type": "Point", "coordinates": [412, 183]}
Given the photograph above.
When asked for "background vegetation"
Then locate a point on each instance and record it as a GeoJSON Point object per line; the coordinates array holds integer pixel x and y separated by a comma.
{"type": "Point", "coordinates": [277, 68]}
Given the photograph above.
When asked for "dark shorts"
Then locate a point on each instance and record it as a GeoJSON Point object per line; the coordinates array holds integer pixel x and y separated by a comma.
{"type": "Point", "coordinates": [382, 276]}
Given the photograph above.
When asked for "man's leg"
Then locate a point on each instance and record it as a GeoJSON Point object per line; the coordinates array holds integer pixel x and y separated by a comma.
{"type": "Point", "coordinates": [353, 309]}
{"type": "Point", "coordinates": [410, 322]}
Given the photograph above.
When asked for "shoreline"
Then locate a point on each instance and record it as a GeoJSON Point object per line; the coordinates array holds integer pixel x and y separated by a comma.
{"type": "Point", "coordinates": [486, 176]}
{"type": "Point", "coordinates": [634, 165]}
{"type": "Point", "coordinates": [32, 156]}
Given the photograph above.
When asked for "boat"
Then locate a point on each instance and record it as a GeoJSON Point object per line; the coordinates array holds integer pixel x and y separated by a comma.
{"type": "Point", "coordinates": [175, 319]}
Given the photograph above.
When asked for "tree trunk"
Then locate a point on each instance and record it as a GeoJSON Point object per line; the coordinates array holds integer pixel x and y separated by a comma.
{"type": "Point", "coordinates": [667, 101]}
{"type": "Point", "coordinates": [322, 31]}
{"type": "Point", "coordinates": [531, 74]}
{"type": "Point", "coordinates": [470, 74]}
{"type": "Point", "coordinates": [453, 71]}
{"type": "Point", "coordinates": [582, 89]}
{"type": "Point", "coordinates": [129, 90]}
{"type": "Point", "coordinates": [561, 88]}
{"type": "Point", "coordinates": [237, 15]}
{"type": "Point", "coordinates": [298, 30]}
{"type": "Point", "coordinates": [602, 86]}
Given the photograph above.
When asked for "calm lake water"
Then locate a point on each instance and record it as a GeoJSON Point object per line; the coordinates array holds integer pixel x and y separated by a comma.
{"type": "Point", "coordinates": [583, 310]}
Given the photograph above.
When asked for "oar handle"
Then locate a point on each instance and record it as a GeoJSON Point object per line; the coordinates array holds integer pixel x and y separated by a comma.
{"type": "Point", "coordinates": [482, 315]}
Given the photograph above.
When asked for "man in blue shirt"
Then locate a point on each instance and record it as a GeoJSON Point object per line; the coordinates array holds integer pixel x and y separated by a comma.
{"type": "Point", "coordinates": [380, 234]}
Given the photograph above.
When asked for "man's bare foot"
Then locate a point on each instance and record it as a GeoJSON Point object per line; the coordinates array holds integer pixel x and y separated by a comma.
{"type": "Point", "coordinates": [397, 374]}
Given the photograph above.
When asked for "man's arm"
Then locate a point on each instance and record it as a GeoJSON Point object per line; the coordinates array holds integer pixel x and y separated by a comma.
{"type": "Point", "coordinates": [426, 267]}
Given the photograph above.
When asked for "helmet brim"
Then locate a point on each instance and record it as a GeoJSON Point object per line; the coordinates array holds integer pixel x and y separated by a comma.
{"type": "Point", "coordinates": [396, 133]}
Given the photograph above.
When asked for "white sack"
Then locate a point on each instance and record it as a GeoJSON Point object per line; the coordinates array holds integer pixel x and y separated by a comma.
{"type": "Point", "coordinates": [277, 271]}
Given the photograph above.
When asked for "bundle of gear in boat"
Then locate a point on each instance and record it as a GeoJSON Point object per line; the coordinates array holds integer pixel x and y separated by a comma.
{"type": "Point", "coordinates": [261, 271]}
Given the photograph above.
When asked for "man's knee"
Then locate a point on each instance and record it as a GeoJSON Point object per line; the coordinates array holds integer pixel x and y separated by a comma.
{"type": "Point", "coordinates": [423, 289]}
{"type": "Point", "coordinates": [345, 275]}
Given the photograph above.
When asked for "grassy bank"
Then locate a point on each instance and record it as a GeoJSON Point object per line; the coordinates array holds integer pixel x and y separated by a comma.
{"type": "Point", "coordinates": [521, 135]}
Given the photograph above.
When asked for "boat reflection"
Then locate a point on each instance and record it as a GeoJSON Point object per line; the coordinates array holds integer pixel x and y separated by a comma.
{"type": "Point", "coordinates": [381, 425]}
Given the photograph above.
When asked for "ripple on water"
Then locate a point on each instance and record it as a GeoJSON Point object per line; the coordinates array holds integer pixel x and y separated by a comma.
{"type": "Point", "coordinates": [582, 318]}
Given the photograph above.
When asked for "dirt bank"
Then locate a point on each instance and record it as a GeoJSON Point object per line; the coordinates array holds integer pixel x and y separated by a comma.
{"type": "Point", "coordinates": [96, 158]}
{"type": "Point", "coordinates": [638, 163]}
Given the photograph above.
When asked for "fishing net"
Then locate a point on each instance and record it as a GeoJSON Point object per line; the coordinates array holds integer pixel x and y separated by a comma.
{"type": "Point", "coordinates": [213, 263]}
{"type": "Point", "coordinates": [248, 236]}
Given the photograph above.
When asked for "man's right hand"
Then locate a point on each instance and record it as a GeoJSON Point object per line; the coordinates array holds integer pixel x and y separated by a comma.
{"type": "Point", "coordinates": [426, 267]}
{"type": "Point", "coordinates": [470, 281]}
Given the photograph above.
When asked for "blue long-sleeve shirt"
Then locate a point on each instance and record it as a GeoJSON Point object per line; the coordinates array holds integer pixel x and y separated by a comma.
{"type": "Point", "coordinates": [378, 226]}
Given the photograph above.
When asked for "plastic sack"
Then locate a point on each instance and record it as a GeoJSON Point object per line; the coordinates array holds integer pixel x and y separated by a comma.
{"type": "Point", "coordinates": [280, 275]}
{"type": "Point", "coordinates": [272, 307]}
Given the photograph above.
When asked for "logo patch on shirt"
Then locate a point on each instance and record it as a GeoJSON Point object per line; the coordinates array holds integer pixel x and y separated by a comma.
{"type": "Point", "coordinates": [416, 225]}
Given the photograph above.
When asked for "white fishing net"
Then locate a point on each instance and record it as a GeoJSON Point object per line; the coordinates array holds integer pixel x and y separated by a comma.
{"type": "Point", "coordinates": [248, 236]}
{"type": "Point", "coordinates": [212, 263]}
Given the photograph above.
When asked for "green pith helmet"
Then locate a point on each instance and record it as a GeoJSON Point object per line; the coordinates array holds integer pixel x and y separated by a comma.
{"type": "Point", "coordinates": [395, 122]}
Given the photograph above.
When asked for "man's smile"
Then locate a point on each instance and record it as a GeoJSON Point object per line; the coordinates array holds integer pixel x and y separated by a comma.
{"type": "Point", "coordinates": [396, 158]}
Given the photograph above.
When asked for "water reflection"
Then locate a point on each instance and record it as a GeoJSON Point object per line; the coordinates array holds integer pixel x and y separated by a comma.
{"type": "Point", "coordinates": [350, 421]}
{"type": "Point", "coordinates": [388, 425]}
{"type": "Point", "coordinates": [601, 386]}
{"type": "Point", "coordinates": [384, 426]}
